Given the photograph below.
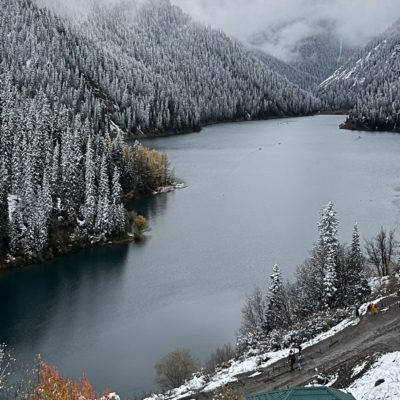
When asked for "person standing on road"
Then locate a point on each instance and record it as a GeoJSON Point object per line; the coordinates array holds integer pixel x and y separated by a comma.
{"type": "Point", "coordinates": [292, 360]}
{"type": "Point", "coordinates": [300, 361]}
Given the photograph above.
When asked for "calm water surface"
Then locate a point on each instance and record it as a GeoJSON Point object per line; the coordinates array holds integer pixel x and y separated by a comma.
{"type": "Point", "coordinates": [254, 193]}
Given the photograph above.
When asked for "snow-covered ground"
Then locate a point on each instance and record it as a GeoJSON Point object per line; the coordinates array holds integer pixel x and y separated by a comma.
{"type": "Point", "coordinates": [387, 367]}
{"type": "Point", "coordinates": [254, 364]}
{"type": "Point", "coordinates": [251, 364]}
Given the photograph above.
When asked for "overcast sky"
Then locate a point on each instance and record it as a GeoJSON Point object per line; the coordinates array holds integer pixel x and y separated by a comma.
{"type": "Point", "coordinates": [356, 21]}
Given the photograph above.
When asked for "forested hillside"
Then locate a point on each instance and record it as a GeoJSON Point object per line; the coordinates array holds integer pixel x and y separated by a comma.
{"type": "Point", "coordinates": [369, 85]}
{"type": "Point", "coordinates": [61, 182]}
{"type": "Point", "coordinates": [184, 75]}
{"type": "Point", "coordinates": [150, 68]}
{"type": "Point", "coordinates": [71, 88]}
{"type": "Point", "coordinates": [300, 78]}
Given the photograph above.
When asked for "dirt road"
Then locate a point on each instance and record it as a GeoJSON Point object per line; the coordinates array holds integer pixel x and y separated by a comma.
{"type": "Point", "coordinates": [338, 354]}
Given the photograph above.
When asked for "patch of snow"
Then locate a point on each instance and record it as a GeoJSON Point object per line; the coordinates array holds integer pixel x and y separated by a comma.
{"type": "Point", "coordinates": [368, 56]}
{"type": "Point", "coordinates": [387, 367]}
{"type": "Point", "coordinates": [228, 375]}
{"type": "Point", "coordinates": [171, 188]}
{"type": "Point", "coordinates": [80, 223]}
{"type": "Point", "coordinates": [111, 396]}
{"type": "Point", "coordinates": [364, 308]}
{"type": "Point", "coordinates": [377, 283]}
{"type": "Point", "coordinates": [358, 368]}
{"type": "Point", "coordinates": [115, 128]}
{"type": "Point", "coordinates": [332, 332]}
{"type": "Point", "coordinates": [255, 374]}
{"type": "Point", "coordinates": [351, 72]}
{"type": "Point", "coordinates": [332, 380]}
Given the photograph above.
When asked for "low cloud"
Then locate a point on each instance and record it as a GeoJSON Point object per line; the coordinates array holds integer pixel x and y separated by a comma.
{"type": "Point", "coordinates": [287, 21]}
{"type": "Point", "coordinates": [274, 25]}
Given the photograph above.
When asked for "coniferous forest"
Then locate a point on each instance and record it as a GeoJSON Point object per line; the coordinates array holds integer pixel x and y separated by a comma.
{"type": "Point", "coordinates": [85, 86]}
{"type": "Point", "coordinates": [72, 91]}
{"type": "Point", "coordinates": [368, 85]}
{"type": "Point", "coordinates": [63, 183]}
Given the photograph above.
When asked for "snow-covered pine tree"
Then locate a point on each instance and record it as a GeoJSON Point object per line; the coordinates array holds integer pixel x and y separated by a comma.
{"type": "Point", "coordinates": [43, 211]}
{"type": "Point", "coordinates": [103, 222]}
{"type": "Point", "coordinates": [117, 208]}
{"type": "Point", "coordinates": [358, 286]}
{"type": "Point", "coordinates": [4, 223]}
{"type": "Point", "coordinates": [277, 310]}
{"type": "Point", "coordinates": [328, 246]}
{"type": "Point", "coordinates": [89, 208]}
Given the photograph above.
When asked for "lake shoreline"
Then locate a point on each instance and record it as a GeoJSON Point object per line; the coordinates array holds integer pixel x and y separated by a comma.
{"type": "Point", "coordinates": [63, 249]}
{"type": "Point", "coordinates": [52, 254]}
{"type": "Point", "coordinates": [159, 135]}
{"type": "Point", "coordinates": [351, 125]}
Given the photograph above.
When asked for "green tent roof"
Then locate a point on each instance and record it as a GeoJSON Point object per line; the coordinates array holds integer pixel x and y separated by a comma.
{"type": "Point", "coordinates": [309, 393]}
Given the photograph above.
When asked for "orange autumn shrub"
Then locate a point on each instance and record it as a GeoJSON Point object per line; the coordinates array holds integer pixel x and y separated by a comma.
{"type": "Point", "coordinates": [53, 386]}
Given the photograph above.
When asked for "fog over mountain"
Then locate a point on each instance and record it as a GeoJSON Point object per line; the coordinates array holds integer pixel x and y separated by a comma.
{"type": "Point", "coordinates": [275, 26]}
{"type": "Point", "coordinates": [283, 23]}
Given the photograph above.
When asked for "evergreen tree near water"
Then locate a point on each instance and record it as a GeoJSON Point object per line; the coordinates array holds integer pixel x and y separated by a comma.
{"type": "Point", "coordinates": [277, 312]}
{"type": "Point", "coordinates": [327, 248]}
{"type": "Point", "coordinates": [359, 287]}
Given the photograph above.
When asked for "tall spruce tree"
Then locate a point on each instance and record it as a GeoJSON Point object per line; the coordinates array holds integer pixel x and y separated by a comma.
{"type": "Point", "coordinates": [277, 311]}
{"type": "Point", "coordinates": [117, 208]}
{"type": "Point", "coordinates": [103, 213]}
{"type": "Point", "coordinates": [358, 284]}
{"type": "Point", "coordinates": [328, 246]}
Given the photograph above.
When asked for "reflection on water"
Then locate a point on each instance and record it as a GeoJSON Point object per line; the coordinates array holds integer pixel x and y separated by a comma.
{"type": "Point", "coordinates": [60, 294]}
{"type": "Point", "coordinates": [150, 206]}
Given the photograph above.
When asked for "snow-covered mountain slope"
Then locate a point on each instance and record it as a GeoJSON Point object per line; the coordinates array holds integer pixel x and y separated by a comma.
{"type": "Point", "coordinates": [147, 66]}
{"type": "Point", "coordinates": [300, 78]}
{"type": "Point", "coordinates": [320, 55]}
{"type": "Point", "coordinates": [370, 84]}
{"type": "Point", "coordinates": [317, 54]}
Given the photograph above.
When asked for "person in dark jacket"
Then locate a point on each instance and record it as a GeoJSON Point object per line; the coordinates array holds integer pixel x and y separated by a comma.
{"type": "Point", "coordinates": [292, 360]}
{"type": "Point", "coordinates": [299, 348]}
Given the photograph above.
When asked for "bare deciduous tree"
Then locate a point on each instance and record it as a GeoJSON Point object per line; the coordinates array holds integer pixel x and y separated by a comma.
{"type": "Point", "coordinates": [219, 356]}
{"type": "Point", "coordinates": [175, 368]}
{"type": "Point", "coordinates": [381, 251]}
{"type": "Point", "coordinates": [253, 312]}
